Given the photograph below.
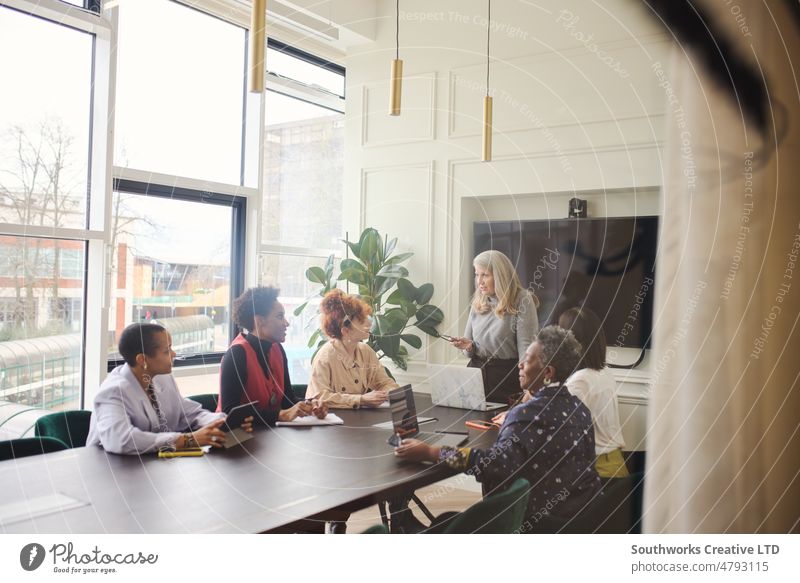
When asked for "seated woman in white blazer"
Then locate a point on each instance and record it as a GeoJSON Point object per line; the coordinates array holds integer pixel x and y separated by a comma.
{"type": "Point", "coordinates": [139, 408]}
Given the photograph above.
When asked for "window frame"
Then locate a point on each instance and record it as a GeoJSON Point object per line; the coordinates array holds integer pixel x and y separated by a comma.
{"type": "Point", "coordinates": [238, 206]}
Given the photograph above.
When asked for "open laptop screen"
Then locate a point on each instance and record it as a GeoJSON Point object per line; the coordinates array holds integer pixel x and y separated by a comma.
{"type": "Point", "coordinates": [404, 412]}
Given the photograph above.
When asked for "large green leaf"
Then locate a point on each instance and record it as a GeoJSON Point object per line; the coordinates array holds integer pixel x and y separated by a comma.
{"type": "Point", "coordinates": [299, 309]}
{"type": "Point", "coordinates": [358, 277]}
{"type": "Point", "coordinates": [329, 265]}
{"type": "Point", "coordinates": [316, 274]}
{"type": "Point", "coordinates": [390, 345]}
{"type": "Point", "coordinates": [412, 340]}
{"type": "Point", "coordinates": [427, 328]}
{"type": "Point", "coordinates": [369, 244]}
{"type": "Point", "coordinates": [407, 289]}
{"type": "Point", "coordinates": [399, 258]}
{"type": "Point", "coordinates": [410, 308]}
{"type": "Point", "coordinates": [354, 247]}
{"type": "Point", "coordinates": [424, 293]}
{"type": "Point", "coordinates": [430, 315]}
{"type": "Point", "coordinates": [393, 271]}
{"type": "Point", "coordinates": [384, 284]}
{"type": "Point", "coordinates": [395, 319]}
{"type": "Point", "coordinates": [351, 264]}
{"type": "Point", "coordinates": [314, 337]}
{"type": "Point", "coordinates": [395, 298]}
{"type": "Point", "coordinates": [380, 325]}
{"type": "Point", "coordinates": [390, 245]}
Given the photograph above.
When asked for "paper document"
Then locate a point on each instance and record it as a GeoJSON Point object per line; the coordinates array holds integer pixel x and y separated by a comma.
{"type": "Point", "coordinates": [309, 420]}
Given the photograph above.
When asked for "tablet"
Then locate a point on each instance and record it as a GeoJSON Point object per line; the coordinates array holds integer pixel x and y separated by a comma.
{"type": "Point", "coordinates": [238, 414]}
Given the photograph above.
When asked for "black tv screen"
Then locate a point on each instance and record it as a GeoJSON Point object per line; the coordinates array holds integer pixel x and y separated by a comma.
{"type": "Point", "coordinates": [606, 264]}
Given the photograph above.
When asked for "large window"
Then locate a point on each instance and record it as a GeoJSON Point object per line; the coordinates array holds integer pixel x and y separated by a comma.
{"type": "Point", "coordinates": [45, 162]}
{"type": "Point", "coordinates": [173, 264]}
{"type": "Point", "coordinates": [183, 159]}
{"type": "Point", "coordinates": [188, 170]}
{"type": "Point", "coordinates": [303, 184]}
{"type": "Point", "coordinates": [180, 92]}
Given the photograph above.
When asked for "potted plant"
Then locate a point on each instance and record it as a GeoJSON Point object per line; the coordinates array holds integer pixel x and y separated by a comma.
{"type": "Point", "coordinates": [377, 271]}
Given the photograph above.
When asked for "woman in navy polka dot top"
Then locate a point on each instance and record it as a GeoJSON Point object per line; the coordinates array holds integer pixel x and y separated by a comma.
{"type": "Point", "coordinates": [548, 440]}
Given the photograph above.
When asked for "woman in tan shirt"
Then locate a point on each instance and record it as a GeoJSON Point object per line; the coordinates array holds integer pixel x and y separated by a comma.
{"type": "Point", "coordinates": [346, 373]}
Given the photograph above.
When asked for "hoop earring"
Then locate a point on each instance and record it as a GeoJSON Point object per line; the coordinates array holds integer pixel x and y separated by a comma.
{"type": "Point", "coordinates": [546, 381]}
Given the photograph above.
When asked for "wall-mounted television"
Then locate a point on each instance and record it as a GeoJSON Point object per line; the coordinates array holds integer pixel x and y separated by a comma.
{"type": "Point", "coordinates": [606, 264]}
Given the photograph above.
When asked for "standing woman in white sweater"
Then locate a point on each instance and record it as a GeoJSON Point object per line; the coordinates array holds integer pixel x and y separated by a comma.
{"type": "Point", "coordinates": [594, 384]}
{"type": "Point", "coordinates": [502, 324]}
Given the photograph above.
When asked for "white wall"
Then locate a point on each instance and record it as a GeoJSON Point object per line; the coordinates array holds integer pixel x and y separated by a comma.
{"type": "Point", "coordinates": [577, 109]}
{"type": "Point", "coordinates": [565, 122]}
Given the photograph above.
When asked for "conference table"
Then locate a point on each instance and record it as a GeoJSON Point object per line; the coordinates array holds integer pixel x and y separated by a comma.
{"type": "Point", "coordinates": [279, 477]}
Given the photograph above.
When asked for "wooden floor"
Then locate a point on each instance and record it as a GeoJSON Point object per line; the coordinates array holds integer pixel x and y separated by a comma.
{"type": "Point", "coordinates": [442, 497]}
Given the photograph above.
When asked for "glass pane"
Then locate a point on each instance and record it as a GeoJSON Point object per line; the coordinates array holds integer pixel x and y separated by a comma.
{"type": "Point", "coordinates": [180, 92]}
{"type": "Point", "coordinates": [45, 117]}
{"type": "Point", "coordinates": [303, 165]}
{"type": "Point", "coordinates": [288, 273]}
{"type": "Point", "coordinates": [304, 72]}
{"type": "Point", "coordinates": [41, 315]}
{"type": "Point", "coordinates": [171, 264]}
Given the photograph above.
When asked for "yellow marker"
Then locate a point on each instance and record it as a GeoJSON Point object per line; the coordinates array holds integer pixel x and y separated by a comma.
{"type": "Point", "coordinates": [192, 452]}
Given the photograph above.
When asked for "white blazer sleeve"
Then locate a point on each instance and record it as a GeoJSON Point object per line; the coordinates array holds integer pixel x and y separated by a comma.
{"type": "Point", "coordinates": [116, 429]}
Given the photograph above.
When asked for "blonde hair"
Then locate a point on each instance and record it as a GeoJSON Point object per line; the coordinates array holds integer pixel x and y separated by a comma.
{"type": "Point", "coordinates": [507, 286]}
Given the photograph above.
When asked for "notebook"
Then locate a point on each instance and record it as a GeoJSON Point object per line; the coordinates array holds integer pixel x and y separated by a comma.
{"type": "Point", "coordinates": [311, 420]}
{"type": "Point", "coordinates": [460, 387]}
{"type": "Point", "coordinates": [406, 424]}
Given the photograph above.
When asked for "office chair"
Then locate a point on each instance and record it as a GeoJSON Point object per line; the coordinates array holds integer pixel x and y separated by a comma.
{"type": "Point", "coordinates": [501, 513]}
{"type": "Point", "coordinates": [299, 391]}
{"type": "Point", "coordinates": [377, 529]}
{"type": "Point", "coordinates": [69, 427]}
{"type": "Point", "coordinates": [27, 446]}
{"type": "Point", "coordinates": [207, 401]}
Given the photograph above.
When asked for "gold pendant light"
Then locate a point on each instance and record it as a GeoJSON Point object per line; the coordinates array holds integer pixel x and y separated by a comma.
{"type": "Point", "coordinates": [257, 41]}
{"type": "Point", "coordinates": [486, 150]}
{"type": "Point", "coordinates": [396, 86]}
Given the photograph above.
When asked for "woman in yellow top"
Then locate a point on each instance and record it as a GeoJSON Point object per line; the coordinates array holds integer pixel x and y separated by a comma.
{"type": "Point", "coordinates": [346, 373]}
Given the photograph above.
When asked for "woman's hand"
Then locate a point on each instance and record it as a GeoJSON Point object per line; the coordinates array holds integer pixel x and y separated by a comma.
{"type": "Point", "coordinates": [247, 424]}
{"type": "Point", "coordinates": [415, 450]}
{"type": "Point", "coordinates": [499, 419]}
{"type": "Point", "coordinates": [319, 408]}
{"type": "Point", "coordinates": [301, 409]}
{"type": "Point", "coordinates": [462, 343]}
{"type": "Point", "coordinates": [211, 434]}
{"type": "Point", "coordinates": [373, 398]}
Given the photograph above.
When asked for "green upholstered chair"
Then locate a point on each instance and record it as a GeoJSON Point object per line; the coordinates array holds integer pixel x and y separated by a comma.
{"type": "Point", "coordinates": [299, 391]}
{"type": "Point", "coordinates": [501, 513]}
{"type": "Point", "coordinates": [69, 427]}
{"type": "Point", "coordinates": [27, 446]}
{"type": "Point", "coordinates": [377, 529]}
{"type": "Point", "coordinates": [208, 401]}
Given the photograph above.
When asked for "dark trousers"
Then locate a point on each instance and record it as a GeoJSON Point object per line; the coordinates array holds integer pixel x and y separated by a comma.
{"type": "Point", "coordinates": [500, 378]}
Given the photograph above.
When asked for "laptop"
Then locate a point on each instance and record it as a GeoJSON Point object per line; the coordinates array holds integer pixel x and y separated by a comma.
{"type": "Point", "coordinates": [406, 425]}
{"type": "Point", "coordinates": [460, 387]}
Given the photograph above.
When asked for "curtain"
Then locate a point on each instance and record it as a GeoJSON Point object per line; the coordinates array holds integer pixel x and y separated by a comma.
{"type": "Point", "coordinates": [723, 443]}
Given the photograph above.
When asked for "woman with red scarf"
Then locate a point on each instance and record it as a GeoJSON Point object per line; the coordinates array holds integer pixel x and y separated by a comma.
{"type": "Point", "coordinates": [255, 367]}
